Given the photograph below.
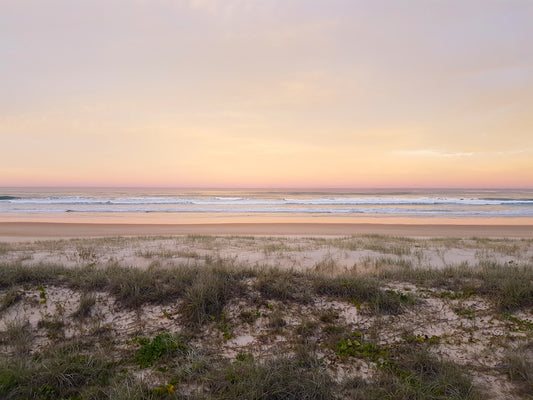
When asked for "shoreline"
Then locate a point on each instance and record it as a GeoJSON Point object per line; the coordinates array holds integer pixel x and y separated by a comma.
{"type": "Point", "coordinates": [27, 231]}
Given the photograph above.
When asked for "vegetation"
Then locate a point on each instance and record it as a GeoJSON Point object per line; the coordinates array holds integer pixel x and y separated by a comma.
{"type": "Point", "coordinates": [213, 328]}
{"type": "Point", "coordinates": [519, 367]}
{"type": "Point", "coordinates": [509, 287]}
{"type": "Point", "coordinates": [163, 345]}
{"type": "Point", "coordinates": [278, 378]}
{"type": "Point", "coordinates": [415, 373]}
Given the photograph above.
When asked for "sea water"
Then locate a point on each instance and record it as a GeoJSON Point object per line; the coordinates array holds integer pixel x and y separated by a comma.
{"type": "Point", "coordinates": [429, 205]}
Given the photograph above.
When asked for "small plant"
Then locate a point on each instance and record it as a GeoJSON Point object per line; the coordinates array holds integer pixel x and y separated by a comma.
{"type": "Point", "coordinates": [54, 327]}
{"type": "Point", "coordinates": [226, 332]}
{"type": "Point", "coordinates": [244, 356]}
{"type": "Point", "coordinates": [329, 316]}
{"type": "Point", "coordinates": [422, 339]}
{"type": "Point", "coordinates": [163, 391]}
{"type": "Point", "coordinates": [87, 301]}
{"type": "Point", "coordinates": [306, 328]}
{"type": "Point", "coordinates": [333, 330]}
{"type": "Point", "coordinates": [519, 324]}
{"type": "Point", "coordinates": [276, 321]}
{"type": "Point", "coordinates": [354, 348]}
{"type": "Point", "coordinates": [10, 298]}
{"type": "Point", "coordinates": [465, 312]}
{"type": "Point", "coordinates": [161, 346]}
{"type": "Point", "coordinates": [250, 316]}
{"type": "Point", "coordinates": [42, 294]}
{"type": "Point", "coordinates": [86, 254]}
{"type": "Point", "coordinates": [18, 334]}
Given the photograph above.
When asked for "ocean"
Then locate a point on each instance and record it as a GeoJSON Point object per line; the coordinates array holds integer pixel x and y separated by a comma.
{"type": "Point", "coordinates": [175, 205]}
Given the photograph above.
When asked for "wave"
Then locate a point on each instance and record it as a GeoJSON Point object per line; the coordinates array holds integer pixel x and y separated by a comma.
{"type": "Point", "coordinates": [242, 201]}
{"type": "Point", "coordinates": [283, 210]}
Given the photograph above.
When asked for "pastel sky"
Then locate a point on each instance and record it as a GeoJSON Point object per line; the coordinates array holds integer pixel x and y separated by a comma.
{"type": "Point", "coordinates": [266, 93]}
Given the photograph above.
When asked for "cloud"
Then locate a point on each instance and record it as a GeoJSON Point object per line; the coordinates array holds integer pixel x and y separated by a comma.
{"type": "Point", "coordinates": [432, 153]}
{"type": "Point", "coordinates": [512, 152]}
{"type": "Point", "coordinates": [447, 154]}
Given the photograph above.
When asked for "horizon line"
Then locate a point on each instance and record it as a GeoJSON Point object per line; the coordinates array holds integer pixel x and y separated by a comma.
{"type": "Point", "coordinates": [269, 187]}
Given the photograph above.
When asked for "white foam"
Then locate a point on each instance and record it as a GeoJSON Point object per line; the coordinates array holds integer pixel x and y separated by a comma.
{"type": "Point", "coordinates": [275, 203]}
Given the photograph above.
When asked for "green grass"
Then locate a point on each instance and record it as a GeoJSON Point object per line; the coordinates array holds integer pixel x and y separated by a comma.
{"type": "Point", "coordinates": [358, 289]}
{"type": "Point", "coordinates": [53, 326]}
{"type": "Point", "coordinates": [10, 298]}
{"type": "Point", "coordinates": [285, 286]}
{"type": "Point", "coordinates": [276, 321]}
{"type": "Point", "coordinates": [53, 376]}
{"type": "Point", "coordinates": [162, 346]}
{"type": "Point", "coordinates": [519, 367]}
{"type": "Point", "coordinates": [205, 299]}
{"type": "Point", "coordinates": [18, 274]}
{"type": "Point", "coordinates": [18, 335]}
{"type": "Point", "coordinates": [508, 287]}
{"type": "Point", "coordinates": [412, 372]}
{"type": "Point", "coordinates": [87, 301]}
{"type": "Point", "coordinates": [279, 378]}
{"type": "Point", "coordinates": [4, 248]}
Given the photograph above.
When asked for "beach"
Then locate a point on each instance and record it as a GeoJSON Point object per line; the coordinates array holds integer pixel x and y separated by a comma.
{"type": "Point", "coordinates": [266, 200]}
{"type": "Point", "coordinates": [15, 231]}
{"type": "Point", "coordinates": [166, 302]}
{"type": "Point", "coordinates": [34, 213]}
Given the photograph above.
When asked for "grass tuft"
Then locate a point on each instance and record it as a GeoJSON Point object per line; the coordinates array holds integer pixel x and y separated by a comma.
{"type": "Point", "coordinates": [414, 373]}
{"type": "Point", "coordinates": [519, 367]}
{"type": "Point", "coordinates": [285, 286]}
{"type": "Point", "coordinates": [279, 378]}
{"type": "Point", "coordinates": [362, 289]}
{"type": "Point", "coordinates": [205, 299]}
{"type": "Point", "coordinates": [18, 335]}
{"type": "Point", "coordinates": [10, 298]}
{"type": "Point", "coordinates": [87, 301]}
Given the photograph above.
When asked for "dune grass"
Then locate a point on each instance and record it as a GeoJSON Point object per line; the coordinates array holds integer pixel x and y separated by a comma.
{"type": "Point", "coordinates": [213, 296]}
{"type": "Point", "coordinates": [415, 373]}
{"type": "Point", "coordinates": [509, 287]}
{"type": "Point", "coordinates": [276, 379]}
{"type": "Point", "coordinates": [519, 366]}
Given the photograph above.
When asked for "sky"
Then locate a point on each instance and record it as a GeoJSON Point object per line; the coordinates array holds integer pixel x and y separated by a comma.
{"type": "Point", "coordinates": [266, 93]}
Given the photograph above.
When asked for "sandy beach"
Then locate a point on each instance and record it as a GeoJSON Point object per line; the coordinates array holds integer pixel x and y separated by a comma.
{"type": "Point", "coordinates": [16, 231]}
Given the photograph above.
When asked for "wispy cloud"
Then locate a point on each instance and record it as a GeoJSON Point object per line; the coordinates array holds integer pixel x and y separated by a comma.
{"type": "Point", "coordinates": [431, 153]}
{"type": "Point", "coordinates": [450, 154]}
{"type": "Point", "coordinates": [512, 152]}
